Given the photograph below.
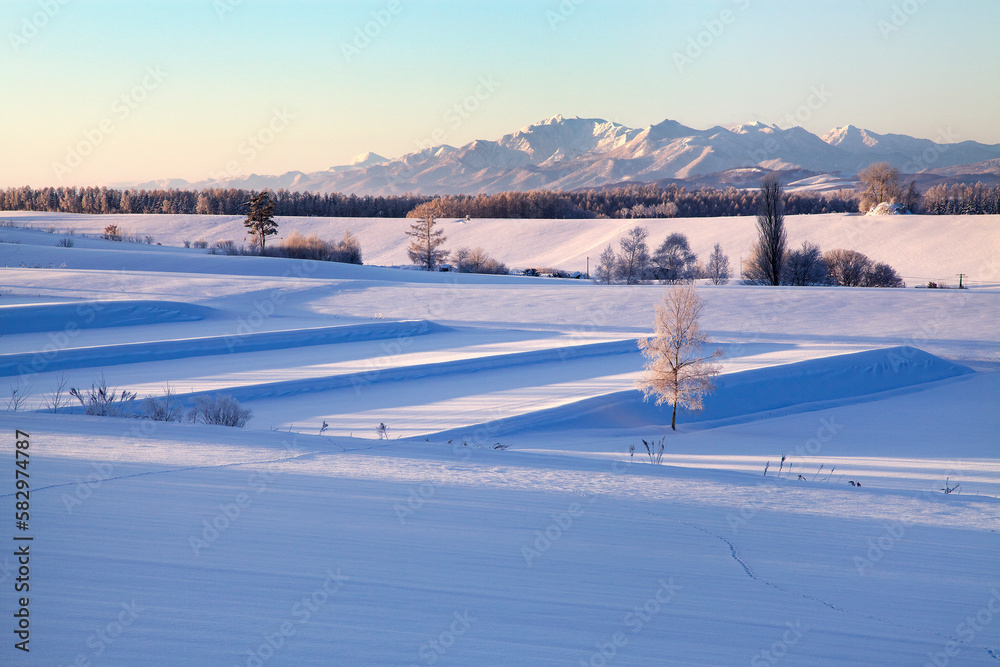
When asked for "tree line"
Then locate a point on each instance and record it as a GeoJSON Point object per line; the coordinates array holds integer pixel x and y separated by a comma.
{"type": "Point", "coordinates": [630, 201]}
{"type": "Point", "coordinates": [962, 199]}
{"type": "Point", "coordinates": [211, 201]}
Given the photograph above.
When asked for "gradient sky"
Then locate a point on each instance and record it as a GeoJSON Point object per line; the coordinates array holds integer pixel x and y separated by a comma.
{"type": "Point", "coordinates": [201, 77]}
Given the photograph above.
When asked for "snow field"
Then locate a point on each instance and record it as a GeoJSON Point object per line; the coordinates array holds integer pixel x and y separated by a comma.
{"type": "Point", "coordinates": [162, 543]}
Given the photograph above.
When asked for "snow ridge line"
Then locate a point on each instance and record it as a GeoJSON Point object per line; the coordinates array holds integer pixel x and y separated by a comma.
{"type": "Point", "coordinates": [207, 346]}
{"type": "Point", "coordinates": [360, 379]}
{"type": "Point", "coordinates": [172, 470]}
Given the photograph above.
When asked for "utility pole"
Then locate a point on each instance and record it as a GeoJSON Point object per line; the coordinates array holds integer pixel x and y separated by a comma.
{"type": "Point", "coordinates": [960, 276]}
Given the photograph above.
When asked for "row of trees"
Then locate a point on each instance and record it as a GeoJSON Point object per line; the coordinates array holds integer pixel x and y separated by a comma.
{"type": "Point", "coordinates": [631, 201]}
{"type": "Point", "coordinates": [771, 263]}
{"type": "Point", "coordinates": [880, 183]}
{"type": "Point", "coordinates": [212, 201]}
{"type": "Point", "coordinates": [672, 262]}
{"type": "Point", "coordinates": [961, 199]}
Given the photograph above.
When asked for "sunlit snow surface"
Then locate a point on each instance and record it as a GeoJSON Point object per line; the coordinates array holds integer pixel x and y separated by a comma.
{"type": "Point", "coordinates": [170, 544]}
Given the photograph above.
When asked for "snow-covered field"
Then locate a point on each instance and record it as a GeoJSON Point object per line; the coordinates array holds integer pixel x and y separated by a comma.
{"type": "Point", "coordinates": [173, 544]}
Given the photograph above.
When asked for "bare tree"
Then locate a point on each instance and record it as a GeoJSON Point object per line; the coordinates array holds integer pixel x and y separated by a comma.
{"type": "Point", "coordinates": [881, 274]}
{"type": "Point", "coordinates": [768, 255]}
{"type": "Point", "coordinates": [881, 184]}
{"type": "Point", "coordinates": [717, 269]}
{"type": "Point", "coordinates": [423, 249]}
{"type": "Point", "coordinates": [633, 260]}
{"type": "Point", "coordinates": [57, 399]}
{"type": "Point", "coordinates": [477, 260]}
{"type": "Point", "coordinates": [847, 267]}
{"type": "Point", "coordinates": [604, 273]}
{"type": "Point", "coordinates": [805, 266]}
{"type": "Point", "coordinates": [676, 372]}
{"type": "Point", "coordinates": [673, 261]}
{"type": "Point", "coordinates": [18, 395]}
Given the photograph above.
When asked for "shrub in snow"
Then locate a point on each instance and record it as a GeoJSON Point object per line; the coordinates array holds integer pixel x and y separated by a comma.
{"type": "Point", "coordinates": [164, 408]}
{"type": "Point", "coordinates": [104, 401]}
{"type": "Point", "coordinates": [18, 395]}
{"type": "Point", "coordinates": [296, 246]}
{"type": "Point", "coordinates": [221, 410]}
{"type": "Point", "coordinates": [885, 208]}
{"type": "Point", "coordinates": [225, 247]}
{"type": "Point", "coordinates": [112, 233]}
{"type": "Point", "coordinates": [200, 243]}
{"type": "Point", "coordinates": [882, 275]}
{"type": "Point", "coordinates": [382, 431]}
{"type": "Point", "coordinates": [65, 242]}
{"type": "Point", "coordinates": [476, 260]}
{"type": "Point", "coordinates": [851, 268]}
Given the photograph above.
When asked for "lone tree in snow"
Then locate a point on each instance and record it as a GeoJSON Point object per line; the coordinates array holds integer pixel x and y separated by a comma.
{"type": "Point", "coordinates": [424, 245]}
{"type": "Point", "coordinates": [768, 256]}
{"type": "Point", "coordinates": [881, 183]}
{"type": "Point", "coordinates": [717, 268]}
{"type": "Point", "coordinates": [676, 371]}
{"type": "Point", "coordinates": [260, 218]}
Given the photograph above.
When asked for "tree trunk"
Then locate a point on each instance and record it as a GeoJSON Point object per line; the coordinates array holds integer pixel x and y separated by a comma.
{"type": "Point", "coordinates": [673, 419]}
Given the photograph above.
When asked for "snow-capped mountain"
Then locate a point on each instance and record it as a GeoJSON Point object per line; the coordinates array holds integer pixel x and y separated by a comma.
{"type": "Point", "coordinates": [570, 153]}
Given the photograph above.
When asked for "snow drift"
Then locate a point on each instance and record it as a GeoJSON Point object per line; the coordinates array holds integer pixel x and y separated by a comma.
{"type": "Point", "coordinates": [788, 388]}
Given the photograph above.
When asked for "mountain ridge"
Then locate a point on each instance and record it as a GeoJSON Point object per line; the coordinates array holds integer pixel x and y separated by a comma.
{"type": "Point", "coordinates": [562, 153]}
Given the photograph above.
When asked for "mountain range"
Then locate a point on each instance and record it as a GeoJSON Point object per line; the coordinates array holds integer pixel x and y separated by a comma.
{"type": "Point", "coordinates": [573, 153]}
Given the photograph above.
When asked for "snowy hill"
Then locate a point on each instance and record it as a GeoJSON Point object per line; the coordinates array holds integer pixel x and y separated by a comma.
{"type": "Point", "coordinates": [569, 153]}
{"type": "Point", "coordinates": [921, 247]}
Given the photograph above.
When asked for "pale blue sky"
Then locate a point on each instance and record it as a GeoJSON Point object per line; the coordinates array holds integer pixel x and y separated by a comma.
{"type": "Point", "coordinates": [199, 77]}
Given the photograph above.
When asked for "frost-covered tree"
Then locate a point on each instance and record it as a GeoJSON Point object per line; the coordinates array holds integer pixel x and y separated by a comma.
{"type": "Point", "coordinates": [260, 218]}
{"type": "Point", "coordinates": [424, 244]}
{"type": "Point", "coordinates": [880, 181]}
{"type": "Point", "coordinates": [768, 255]}
{"type": "Point", "coordinates": [673, 261]}
{"type": "Point", "coordinates": [633, 258]}
{"type": "Point", "coordinates": [717, 269]}
{"type": "Point", "coordinates": [676, 371]}
{"type": "Point", "coordinates": [805, 266]}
